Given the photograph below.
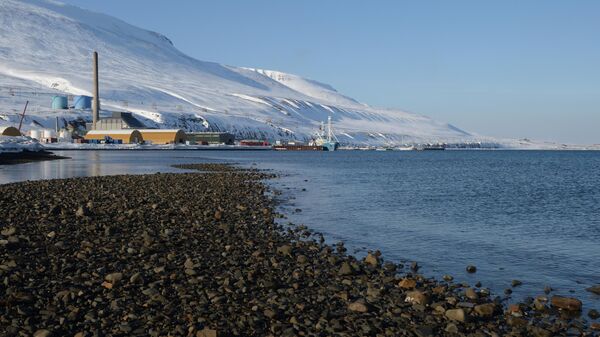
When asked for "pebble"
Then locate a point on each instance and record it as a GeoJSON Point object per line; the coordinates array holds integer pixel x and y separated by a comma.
{"type": "Point", "coordinates": [471, 269]}
{"type": "Point", "coordinates": [456, 315]}
{"type": "Point", "coordinates": [358, 306]}
{"type": "Point", "coordinates": [417, 297]}
{"type": "Point", "coordinates": [407, 283]}
{"type": "Point", "coordinates": [372, 260]}
{"type": "Point", "coordinates": [42, 333]}
{"type": "Point", "coordinates": [9, 231]}
{"type": "Point", "coordinates": [471, 294]}
{"type": "Point", "coordinates": [485, 310]}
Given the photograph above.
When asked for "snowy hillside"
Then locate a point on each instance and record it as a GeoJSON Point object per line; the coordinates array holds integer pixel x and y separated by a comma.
{"type": "Point", "coordinates": [46, 48]}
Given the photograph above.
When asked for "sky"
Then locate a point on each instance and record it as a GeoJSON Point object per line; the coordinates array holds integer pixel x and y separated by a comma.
{"type": "Point", "coordinates": [513, 68]}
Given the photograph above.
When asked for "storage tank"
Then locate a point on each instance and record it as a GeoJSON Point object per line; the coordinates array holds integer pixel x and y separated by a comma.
{"type": "Point", "coordinates": [82, 102]}
{"type": "Point", "coordinates": [49, 134]}
{"type": "Point", "coordinates": [60, 102]}
{"type": "Point", "coordinates": [35, 134]}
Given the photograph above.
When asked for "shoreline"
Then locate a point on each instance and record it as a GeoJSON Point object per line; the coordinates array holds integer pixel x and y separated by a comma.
{"type": "Point", "coordinates": [26, 156]}
{"type": "Point", "coordinates": [199, 254]}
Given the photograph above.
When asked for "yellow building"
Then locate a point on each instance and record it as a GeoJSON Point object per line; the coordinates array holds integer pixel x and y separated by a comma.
{"type": "Point", "coordinates": [9, 131]}
{"type": "Point", "coordinates": [163, 136]}
{"type": "Point", "coordinates": [127, 136]}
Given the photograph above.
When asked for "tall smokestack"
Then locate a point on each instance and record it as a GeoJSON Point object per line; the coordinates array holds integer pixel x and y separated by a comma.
{"type": "Point", "coordinates": [96, 106]}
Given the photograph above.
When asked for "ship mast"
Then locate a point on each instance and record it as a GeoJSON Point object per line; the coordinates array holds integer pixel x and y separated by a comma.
{"type": "Point", "coordinates": [329, 129]}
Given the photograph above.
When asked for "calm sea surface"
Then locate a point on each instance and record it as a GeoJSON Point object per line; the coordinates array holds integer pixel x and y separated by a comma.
{"type": "Point", "coordinates": [527, 215]}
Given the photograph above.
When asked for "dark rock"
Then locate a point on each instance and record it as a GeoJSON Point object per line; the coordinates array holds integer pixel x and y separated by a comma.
{"type": "Point", "coordinates": [566, 303]}
{"type": "Point", "coordinates": [471, 269]}
{"type": "Point", "coordinates": [594, 289]}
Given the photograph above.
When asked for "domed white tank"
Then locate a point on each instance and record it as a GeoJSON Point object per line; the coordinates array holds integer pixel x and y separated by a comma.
{"type": "Point", "coordinates": [35, 134]}
{"type": "Point", "coordinates": [49, 134]}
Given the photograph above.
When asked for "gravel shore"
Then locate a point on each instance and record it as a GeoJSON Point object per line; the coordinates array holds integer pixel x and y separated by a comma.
{"type": "Point", "coordinates": [200, 254]}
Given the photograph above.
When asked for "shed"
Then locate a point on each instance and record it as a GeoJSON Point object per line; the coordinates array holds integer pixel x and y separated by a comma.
{"type": "Point", "coordinates": [212, 137]}
{"type": "Point", "coordinates": [163, 136]}
{"type": "Point", "coordinates": [126, 136]}
{"type": "Point", "coordinates": [9, 131]}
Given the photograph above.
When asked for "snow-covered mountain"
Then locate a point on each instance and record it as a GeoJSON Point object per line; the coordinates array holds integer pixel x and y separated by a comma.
{"type": "Point", "coordinates": [46, 48]}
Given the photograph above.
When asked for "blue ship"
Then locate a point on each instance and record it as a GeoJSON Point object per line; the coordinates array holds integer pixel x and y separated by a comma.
{"type": "Point", "coordinates": [328, 141]}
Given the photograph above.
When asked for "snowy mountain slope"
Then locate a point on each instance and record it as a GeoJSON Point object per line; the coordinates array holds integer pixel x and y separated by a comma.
{"type": "Point", "coordinates": [46, 47]}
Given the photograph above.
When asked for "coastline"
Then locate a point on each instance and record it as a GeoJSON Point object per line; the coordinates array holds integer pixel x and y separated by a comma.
{"type": "Point", "coordinates": [27, 156]}
{"type": "Point", "coordinates": [201, 254]}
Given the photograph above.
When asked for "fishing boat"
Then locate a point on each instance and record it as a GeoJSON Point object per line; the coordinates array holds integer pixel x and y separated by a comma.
{"type": "Point", "coordinates": [327, 138]}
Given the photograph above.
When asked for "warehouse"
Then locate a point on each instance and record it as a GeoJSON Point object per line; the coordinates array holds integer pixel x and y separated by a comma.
{"type": "Point", "coordinates": [118, 121]}
{"type": "Point", "coordinates": [211, 138]}
{"type": "Point", "coordinates": [125, 136]}
{"type": "Point", "coordinates": [9, 131]}
{"type": "Point", "coordinates": [163, 136]}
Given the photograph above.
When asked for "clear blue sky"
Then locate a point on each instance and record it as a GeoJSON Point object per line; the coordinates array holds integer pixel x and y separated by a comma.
{"type": "Point", "coordinates": [512, 68]}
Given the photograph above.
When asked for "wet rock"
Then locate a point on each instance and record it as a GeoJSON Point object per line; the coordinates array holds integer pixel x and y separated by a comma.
{"type": "Point", "coordinates": [566, 303]}
{"type": "Point", "coordinates": [594, 289]}
{"type": "Point", "coordinates": [372, 260]}
{"type": "Point", "coordinates": [471, 269]}
{"type": "Point", "coordinates": [447, 278]}
{"type": "Point", "coordinates": [471, 294]}
{"type": "Point", "coordinates": [516, 283]}
{"type": "Point", "coordinates": [593, 314]}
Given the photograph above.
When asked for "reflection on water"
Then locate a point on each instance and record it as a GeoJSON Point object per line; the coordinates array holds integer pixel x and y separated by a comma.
{"type": "Point", "coordinates": [91, 163]}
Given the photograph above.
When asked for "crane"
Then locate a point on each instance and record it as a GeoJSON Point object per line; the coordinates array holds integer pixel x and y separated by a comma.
{"type": "Point", "coordinates": [23, 115]}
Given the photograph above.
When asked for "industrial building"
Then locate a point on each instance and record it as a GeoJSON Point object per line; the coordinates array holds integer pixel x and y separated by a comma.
{"type": "Point", "coordinates": [9, 131]}
{"type": "Point", "coordinates": [211, 138]}
{"type": "Point", "coordinates": [128, 136]}
{"type": "Point", "coordinates": [163, 136]}
{"type": "Point", "coordinates": [118, 121]}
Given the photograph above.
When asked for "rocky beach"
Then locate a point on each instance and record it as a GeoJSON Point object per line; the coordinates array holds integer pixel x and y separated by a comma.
{"type": "Point", "coordinates": [201, 254]}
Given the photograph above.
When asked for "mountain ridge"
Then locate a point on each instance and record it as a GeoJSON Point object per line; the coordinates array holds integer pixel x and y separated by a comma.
{"type": "Point", "coordinates": [48, 48]}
